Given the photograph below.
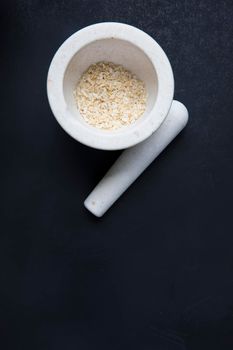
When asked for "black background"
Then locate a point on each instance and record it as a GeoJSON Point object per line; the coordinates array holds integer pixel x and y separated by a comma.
{"type": "Point", "coordinates": [156, 272]}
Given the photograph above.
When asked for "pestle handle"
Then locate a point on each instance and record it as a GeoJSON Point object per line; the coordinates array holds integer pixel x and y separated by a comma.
{"type": "Point", "coordinates": [133, 161]}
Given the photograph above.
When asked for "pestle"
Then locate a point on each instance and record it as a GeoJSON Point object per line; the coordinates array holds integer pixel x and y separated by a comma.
{"type": "Point", "coordinates": [134, 160]}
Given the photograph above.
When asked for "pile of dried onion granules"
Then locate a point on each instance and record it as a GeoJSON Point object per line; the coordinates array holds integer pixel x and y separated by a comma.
{"type": "Point", "coordinates": [108, 96]}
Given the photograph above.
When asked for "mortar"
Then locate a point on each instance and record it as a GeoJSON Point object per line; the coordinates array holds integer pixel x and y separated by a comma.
{"type": "Point", "coordinates": [120, 44]}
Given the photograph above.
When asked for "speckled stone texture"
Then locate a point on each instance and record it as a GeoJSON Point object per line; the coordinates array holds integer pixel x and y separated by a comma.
{"type": "Point", "coordinates": [156, 271]}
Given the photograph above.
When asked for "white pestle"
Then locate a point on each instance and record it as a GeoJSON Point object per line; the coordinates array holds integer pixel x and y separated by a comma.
{"type": "Point", "coordinates": [133, 161]}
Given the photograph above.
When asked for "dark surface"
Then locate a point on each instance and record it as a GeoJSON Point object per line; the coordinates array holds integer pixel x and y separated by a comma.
{"type": "Point", "coordinates": [157, 271]}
